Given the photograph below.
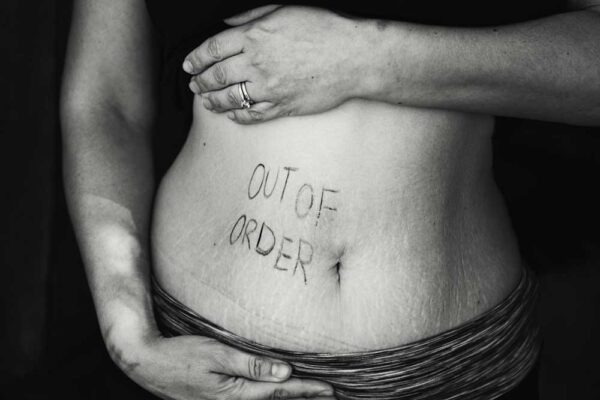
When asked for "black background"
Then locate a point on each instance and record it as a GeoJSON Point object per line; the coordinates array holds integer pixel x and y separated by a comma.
{"type": "Point", "coordinates": [50, 345]}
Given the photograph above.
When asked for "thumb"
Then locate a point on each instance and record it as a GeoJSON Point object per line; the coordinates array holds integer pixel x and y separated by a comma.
{"type": "Point", "coordinates": [250, 15]}
{"type": "Point", "coordinates": [257, 368]}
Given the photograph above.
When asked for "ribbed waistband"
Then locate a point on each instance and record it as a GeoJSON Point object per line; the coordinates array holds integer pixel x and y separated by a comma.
{"type": "Point", "coordinates": [480, 359]}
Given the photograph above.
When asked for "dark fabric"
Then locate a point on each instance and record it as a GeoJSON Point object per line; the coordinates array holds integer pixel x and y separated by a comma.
{"type": "Point", "coordinates": [527, 389]}
{"type": "Point", "coordinates": [484, 357]}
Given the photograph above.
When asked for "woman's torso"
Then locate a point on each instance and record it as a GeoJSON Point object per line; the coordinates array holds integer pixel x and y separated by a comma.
{"type": "Point", "coordinates": [364, 227]}
{"type": "Point", "coordinates": [409, 211]}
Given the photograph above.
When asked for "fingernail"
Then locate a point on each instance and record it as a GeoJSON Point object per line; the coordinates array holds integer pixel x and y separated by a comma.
{"type": "Point", "coordinates": [278, 370]}
{"type": "Point", "coordinates": [188, 67]}
{"type": "Point", "coordinates": [194, 87]}
{"type": "Point", "coordinates": [231, 116]}
{"type": "Point", "coordinates": [207, 104]}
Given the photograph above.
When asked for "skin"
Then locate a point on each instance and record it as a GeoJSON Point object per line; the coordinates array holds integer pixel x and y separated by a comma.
{"type": "Point", "coordinates": [107, 112]}
{"type": "Point", "coordinates": [545, 69]}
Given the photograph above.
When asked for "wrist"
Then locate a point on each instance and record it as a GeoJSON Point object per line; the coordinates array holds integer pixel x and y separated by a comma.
{"type": "Point", "coordinates": [128, 335]}
{"type": "Point", "coordinates": [355, 77]}
{"type": "Point", "coordinates": [400, 55]}
{"type": "Point", "coordinates": [129, 347]}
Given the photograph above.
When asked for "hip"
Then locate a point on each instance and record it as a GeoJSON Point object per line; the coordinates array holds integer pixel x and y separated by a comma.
{"type": "Point", "coordinates": [487, 357]}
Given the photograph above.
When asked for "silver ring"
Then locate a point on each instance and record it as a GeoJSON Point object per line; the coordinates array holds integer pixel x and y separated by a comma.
{"type": "Point", "coordinates": [246, 101]}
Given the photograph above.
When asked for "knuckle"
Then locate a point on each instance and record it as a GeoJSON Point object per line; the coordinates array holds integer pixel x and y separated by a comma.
{"type": "Point", "coordinates": [279, 394]}
{"type": "Point", "coordinates": [257, 61]}
{"type": "Point", "coordinates": [252, 32]}
{"type": "Point", "coordinates": [265, 27]}
{"type": "Point", "coordinates": [232, 388]}
{"type": "Point", "coordinates": [285, 102]}
{"type": "Point", "coordinates": [236, 385]}
{"type": "Point", "coordinates": [214, 101]}
{"type": "Point", "coordinates": [200, 82]}
{"type": "Point", "coordinates": [256, 367]}
{"type": "Point", "coordinates": [220, 74]}
{"type": "Point", "coordinates": [238, 118]}
{"type": "Point", "coordinates": [195, 58]}
{"type": "Point", "coordinates": [282, 111]}
{"type": "Point", "coordinates": [247, 28]}
{"type": "Point", "coordinates": [256, 115]}
{"type": "Point", "coordinates": [218, 354]}
{"type": "Point", "coordinates": [272, 85]}
{"type": "Point", "coordinates": [232, 96]}
{"type": "Point", "coordinates": [213, 48]}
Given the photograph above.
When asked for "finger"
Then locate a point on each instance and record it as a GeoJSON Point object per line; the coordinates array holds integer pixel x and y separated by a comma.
{"type": "Point", "coordinates": [214, 49]}
{"type": "Point", "coordinates": [316, 398]}
{"type": "Point", "coordinates": [259, 112]}
{"type": "Point", "coordinates": [291, 389]}
{"type": "Point", "coordinates": [223, 100]}
{"type": "Point", "coordinates": [237, 363]}
{"type": "Point", "coordinates": [222, 74]}
{"type": "Point", "coordinates": [250, 15]}
{"type": "Point", "coordinates": [226, 99]}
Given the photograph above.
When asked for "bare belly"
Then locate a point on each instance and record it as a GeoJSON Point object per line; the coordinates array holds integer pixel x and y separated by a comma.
{"type": "Point", "coordinates": [365, 227]}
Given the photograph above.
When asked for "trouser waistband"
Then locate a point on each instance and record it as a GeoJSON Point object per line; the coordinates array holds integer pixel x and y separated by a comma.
{"type": "Point", "coordinates": [480, 359]}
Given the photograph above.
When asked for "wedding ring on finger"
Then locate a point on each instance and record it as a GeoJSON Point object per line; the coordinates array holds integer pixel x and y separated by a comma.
{"type": "Point", "coordinates": [246, 101]}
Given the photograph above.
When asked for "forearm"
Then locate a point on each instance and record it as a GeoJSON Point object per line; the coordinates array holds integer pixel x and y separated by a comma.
{"type": "Point", "coordinates": [109, 189]}
{"type": "Point", "coordinates": [547, 69]}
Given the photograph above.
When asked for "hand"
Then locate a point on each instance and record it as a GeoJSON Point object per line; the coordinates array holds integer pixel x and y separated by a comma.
{"type": "Point", "coordinates": [294, 60]}
{"type": "Point", "coordinates": [199, 368]}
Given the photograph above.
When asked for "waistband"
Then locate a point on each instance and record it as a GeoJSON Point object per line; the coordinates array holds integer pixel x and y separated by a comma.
{"type": "Point", "coordinates": [480, 359]}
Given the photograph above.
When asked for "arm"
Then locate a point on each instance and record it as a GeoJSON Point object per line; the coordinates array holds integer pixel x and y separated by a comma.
{"type": "Point", "coordinates": [107, 112]}
{"type": "Point", "coordinates": [547, 69]}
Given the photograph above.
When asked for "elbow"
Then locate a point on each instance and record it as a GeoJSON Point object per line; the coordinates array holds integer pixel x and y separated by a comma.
{"type": "Point", "coordinates": [72, 108]}
{"type": "Point", "coordinates": [105, 113]}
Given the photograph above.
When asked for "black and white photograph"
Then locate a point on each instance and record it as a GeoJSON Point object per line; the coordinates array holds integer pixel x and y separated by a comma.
{"type": "Point", "coordinates": [300, 200]}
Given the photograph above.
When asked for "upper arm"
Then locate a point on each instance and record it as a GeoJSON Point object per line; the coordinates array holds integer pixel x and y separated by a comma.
{"type": "Point", "coordinates": [110, 62]}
